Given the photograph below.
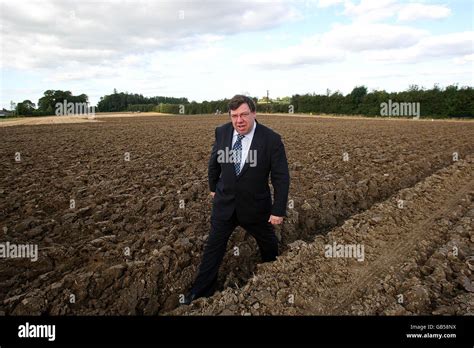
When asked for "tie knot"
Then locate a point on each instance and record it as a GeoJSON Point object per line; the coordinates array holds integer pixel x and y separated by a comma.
{"type": "Point", "coordinates": [240, 137]}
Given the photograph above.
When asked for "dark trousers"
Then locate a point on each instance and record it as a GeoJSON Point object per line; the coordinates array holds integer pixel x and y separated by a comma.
{"type": "Point", "coordinates": [206, 279]}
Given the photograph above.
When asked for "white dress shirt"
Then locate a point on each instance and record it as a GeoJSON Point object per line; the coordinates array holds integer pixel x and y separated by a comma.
{"type": "Point", "coordinates": [246, 141]}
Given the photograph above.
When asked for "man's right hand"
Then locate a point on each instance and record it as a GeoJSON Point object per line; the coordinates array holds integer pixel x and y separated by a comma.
{"type": "Point", "coordinates": [212, 194]}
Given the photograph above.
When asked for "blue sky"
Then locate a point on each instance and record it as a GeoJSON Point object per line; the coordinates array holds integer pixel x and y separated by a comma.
{"type": "Point", "coordinates": [215, 49]}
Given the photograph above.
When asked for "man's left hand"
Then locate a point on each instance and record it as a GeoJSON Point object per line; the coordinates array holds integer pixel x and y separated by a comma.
{"type": "Point", "coordinates": [275, 220]}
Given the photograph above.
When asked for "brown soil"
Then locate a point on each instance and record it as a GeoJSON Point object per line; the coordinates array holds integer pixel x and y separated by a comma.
{"type": "Point", "coordinates": [135, 205]}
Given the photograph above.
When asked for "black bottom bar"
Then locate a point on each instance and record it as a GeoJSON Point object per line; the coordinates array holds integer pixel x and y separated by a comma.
{"type": "Point", "coordinates": [454, 331]}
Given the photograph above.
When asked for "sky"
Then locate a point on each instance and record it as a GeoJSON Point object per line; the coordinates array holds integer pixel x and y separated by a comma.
{"type": "Point", "coordinates": [209, 50]}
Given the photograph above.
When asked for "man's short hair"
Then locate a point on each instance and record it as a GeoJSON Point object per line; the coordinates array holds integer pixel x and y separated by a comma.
{"type": "Point", "coordinates": [238, 100]}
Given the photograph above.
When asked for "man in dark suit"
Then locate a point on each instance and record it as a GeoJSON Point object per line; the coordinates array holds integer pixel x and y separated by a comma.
{"type": "Point", "coordinates": [244, 155]}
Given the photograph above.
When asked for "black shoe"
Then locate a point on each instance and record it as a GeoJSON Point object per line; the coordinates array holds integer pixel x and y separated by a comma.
{"type": "Point", "coordinates": [189, 298]}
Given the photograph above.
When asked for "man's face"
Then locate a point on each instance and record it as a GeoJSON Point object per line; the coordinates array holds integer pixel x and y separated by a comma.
{"type": "Point", "coordinates": [242, 119]}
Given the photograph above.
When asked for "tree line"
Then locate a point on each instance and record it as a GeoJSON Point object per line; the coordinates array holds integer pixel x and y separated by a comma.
{"type": "Point", "coordinates": [116, 102]}
{"type": "Point", "coordinates": [47, 103]}
{"type": "Point", "coordinates": [452, 101]}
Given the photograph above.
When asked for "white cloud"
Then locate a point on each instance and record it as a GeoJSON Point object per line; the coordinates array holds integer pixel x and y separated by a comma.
{"type": "Point", "coordinates": [329, 3]}
{"type": "Point", "coordinates": [366, 35]}
{"type": "Point", "coordinates": [291, 57]}
{"type": "Point", "coordinates": [370, 10]}
{"type": "Point", "coordinates": [378, 10]}
{"type": "Point", "coordinates": [416, 11]}
{"type": "Point", "coordinates": [144, 47]}
{"type": "Point", "coordinates": [432, 47]}
{"type": "Point", "coordinates": [336, 44]}
{"type": "Point", "coordinates": [371, 36]}
{"type": "Point", "coordinates": [41, 34]}
{"type": "Point", "coordinates": [467, 59]}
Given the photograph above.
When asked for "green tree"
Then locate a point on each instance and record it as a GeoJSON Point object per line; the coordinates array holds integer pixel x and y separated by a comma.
{"type": "Point", "coordinates": [25, 108]}
{"type": "Point", "coordinates": [47, 103]}
{"type": "Point", "coordinates": [357, 97]}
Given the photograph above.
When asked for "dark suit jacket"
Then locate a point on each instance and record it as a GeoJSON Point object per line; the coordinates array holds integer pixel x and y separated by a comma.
{"type": "Point", "coordinates": [249, 193]}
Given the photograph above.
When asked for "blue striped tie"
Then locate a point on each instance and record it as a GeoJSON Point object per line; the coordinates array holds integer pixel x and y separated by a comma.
{"type": "Point", "coordinates": [237, 153]}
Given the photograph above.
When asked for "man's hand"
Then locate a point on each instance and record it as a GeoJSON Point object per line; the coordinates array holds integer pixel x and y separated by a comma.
{"type": "Point", "coordinates": [212, 194]}
{"type": "Point", "coordinates": [275, 220]}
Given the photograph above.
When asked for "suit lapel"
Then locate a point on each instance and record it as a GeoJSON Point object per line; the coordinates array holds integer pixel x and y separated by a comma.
{"type": "Point", "coordinates": [255, 145]}
{"type": "Point", "coordinates": [228, 135]}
